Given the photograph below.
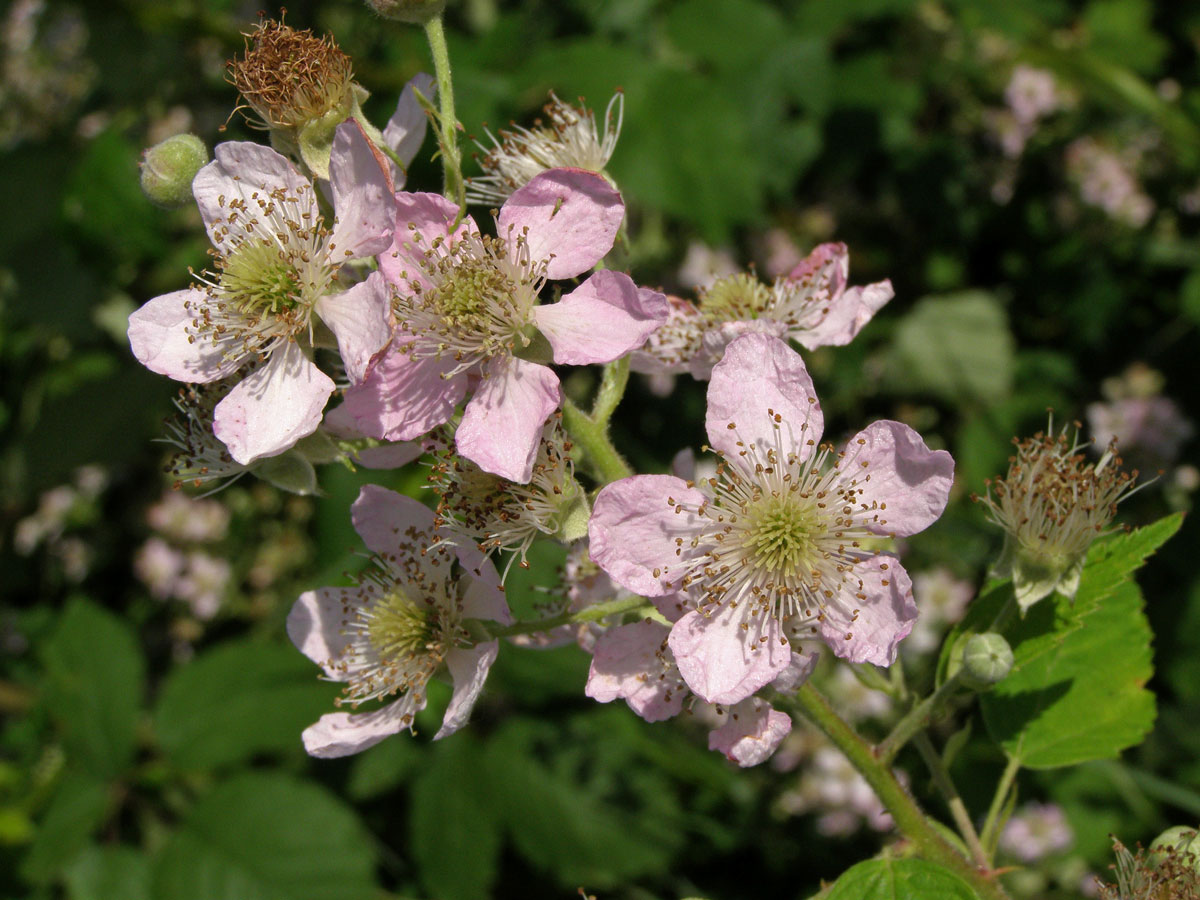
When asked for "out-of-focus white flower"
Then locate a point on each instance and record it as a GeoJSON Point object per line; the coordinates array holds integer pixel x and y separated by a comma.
{"type": "Point", "coordinates": [702, 265]}
{"type": "Point", "coordinates": [186, 519]}
{"type": "Point", "coordinates": [204, 584]}
{"type": "Point", "coordinates": [158, 565]}
{"type": "Point", "coordinates": [1035, 831]}
{"type": "Point", "coordinates": [1108, 182]}
{"type": "Point", "coordinates": [941, 601]}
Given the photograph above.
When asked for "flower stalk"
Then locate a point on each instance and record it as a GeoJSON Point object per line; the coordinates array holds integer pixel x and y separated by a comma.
{"type": "Point", "coordinates": [591, 614]}
{"type": "Point", "coordinates": [454, 187]}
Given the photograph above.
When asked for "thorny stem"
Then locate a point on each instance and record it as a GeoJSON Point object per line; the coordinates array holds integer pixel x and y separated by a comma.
{"type": "Point", "coordinates": [908, 817]}
{"type": "Point", "coordinates": [453, 187]}
{"type": "Point", "coordinates": [992, 822]}
{"type": "Point", "coordinates": [591, 614]}
{"type": "Point", "coordinates": [958, 810]}
{"type": "Point", "coordinates": [916, 719]}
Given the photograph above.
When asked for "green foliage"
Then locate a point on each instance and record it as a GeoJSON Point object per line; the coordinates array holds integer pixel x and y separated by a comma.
{"type": "Point", "coordinates": [77, 807]}
{"type": "Point", "coordinates": [237, 700]}
{"type": "Point", "coordinates": [265, 836]}
{"type": "Point", "coordinates": [94, 670]}
{"type": "Point", "coordinates": [102, 873]}
{"type": "Point", "coordinates": [899, 879]}
{"type": "Point", "coordinates": [1077, 690]}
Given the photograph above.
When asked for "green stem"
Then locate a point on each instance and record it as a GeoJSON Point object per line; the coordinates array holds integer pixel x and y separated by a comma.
{"type": "Point", "coordinates": [991, 824]}
{"type": "Point", "coordinates": [958, 809]}
{"type": "Point", "coordinates": [917, 718]}
{"type": "Point", "coordinates": [591, 614]}
{"type": "Point", "coordinates": [592, 438]}
{"type": "Point", "coordinates": [907, 816]}
{"type": "Point", "coordinates": [612, 389]}
{"type": "Point", "coordinates": [454, 187]}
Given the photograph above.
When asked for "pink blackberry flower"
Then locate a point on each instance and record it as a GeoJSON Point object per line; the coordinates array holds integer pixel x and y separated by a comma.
{"type": "Point", "coordinates": [773, 549]}
{"type": "Point", "coordinates": [402, 624]}
{"type": "Point", "coordinates": [276, 268]}
{"type": "Point", "coordinates": [469, 318]}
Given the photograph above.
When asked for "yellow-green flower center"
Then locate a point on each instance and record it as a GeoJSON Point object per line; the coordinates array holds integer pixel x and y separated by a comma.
{"type": "Point", "coordinates": [781, 535]}
{"type": "Point", "coordinates": [400, 627]}
{"type": "Point", "coordinates": [257, 278]}
{"type": "Point", "coordinates": [735, 298]}
{"type": "Point", "coordinates": [463, 299]}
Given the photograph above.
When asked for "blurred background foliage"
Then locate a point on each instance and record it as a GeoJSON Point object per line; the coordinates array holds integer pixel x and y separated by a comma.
{"type": "Point", "coordinates": [1044, 249]}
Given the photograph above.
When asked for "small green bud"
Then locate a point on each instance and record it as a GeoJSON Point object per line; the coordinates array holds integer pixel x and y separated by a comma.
{"type": "Point", "coordinates": [169, 167]}
{"type": "Point", "coordinates": [1182, 840]}
{"type": "Point", "coordinates": [417, 12]}
{"type": "Point", "coordinates": [987, 659]}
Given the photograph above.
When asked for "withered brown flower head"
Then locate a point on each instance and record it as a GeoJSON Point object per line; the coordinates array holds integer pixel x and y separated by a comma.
{"type": "Point", "coordinates": [1168, 874]}
{"type": "Point", "coordinates": [291, 77]}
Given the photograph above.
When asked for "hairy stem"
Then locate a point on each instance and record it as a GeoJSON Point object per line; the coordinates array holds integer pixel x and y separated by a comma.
{"type": "Point", "coordinates": [945, 786]}
{"type": "Point", "coordinates": [909, 818]}
{"type": "Point", "coordinates": [590, 432]}
{"type": "Point", "coordinates": [591, 614]}
{"type": "Point", "coordinates": [916, 719]}
{"type": "Point", "coordinates": [991, 825]}
{"type": "Point", "coordinates": [453, 186]}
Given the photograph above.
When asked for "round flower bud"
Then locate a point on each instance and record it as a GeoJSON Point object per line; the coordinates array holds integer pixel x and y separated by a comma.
{"type": "Point", "coordinates": [168, 169]}
{"type": "Point", "coordinates": [416, 11]}
{"type": "Point", "coordinates": [987, 658]}
{"type": "Point", "coordinates": [1179, 841]}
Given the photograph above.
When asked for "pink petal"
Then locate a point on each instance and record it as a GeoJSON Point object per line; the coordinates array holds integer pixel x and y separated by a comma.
{"type": "Point", "coordinates": [825, 269]}
{"type": "Point", "coordinates": [363, 201]}
{"type": "Point", "coordinates": [316, 625]}
{"type": "Point", "coordinates": [797, 672]}
{"type": "Point", "coordinates": [468, 669]}
{"type": "Point", "coordinates": [906, 484]}
{"type": "Point", "coordinates": [601, 320]}
{"type": "Point", "coordinates": [568, 216]}
{"type": "Point", "coordinates": [344, 734]}
{"type": "Point", "coordinates": [160, 334]}
{"type": "Point", "coordinates": [761, 394]}
{"type": "Point", "coordinates": [388, 456]}
{"type": "Point", "coordinates": [751, 732]}
{"type": "Point", "coordinates": [361, 320]}
{"type": "Point", "coordinates": [405, 130]}
{"type": "Point", "coordinates": [715, 340]}
{"type": "Point", "coordinates": [502, 424]}
{"type": "Point", "coordinates": [872, 630]}
{"type": "Point", "coordinates": [234, 188]}
{"type": "Point", "coordinates": [273, 407]}
{"type": "Point", "coordinates": [402, 398]}
{"type": "Point", "coordinates": [421, 219]}
{"type": "Point", "coordinates": [726, 657]}
{"type": "Point", "coordinates": [386, 520]}
{"type": "Point", "coordinates": [484, 597]}
{"type": "Point", "coordinates": [634, 663]}
{"type": "Point", "coordinates": [635, 533]}
{"type": "Point", "coordinates": [846, 316]}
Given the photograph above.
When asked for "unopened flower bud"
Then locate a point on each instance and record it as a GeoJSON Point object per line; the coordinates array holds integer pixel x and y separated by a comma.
{"type": "Point", "coordinates": [1179, 841]}
{"type": "Point", "coordinates": [987, 659]}
{"type": "Point", "coordinates": [169, 167]}
{"type": "Point", "coordinates": [416, 11]}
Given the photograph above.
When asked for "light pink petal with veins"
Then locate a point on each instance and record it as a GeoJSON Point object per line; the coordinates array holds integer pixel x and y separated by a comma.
{"type": "Point", "coordinates": [883, 619]}
{"type": "Point", "coordinates": [483, 598]}
{"type": "Point", "coordinates": [905, 476]}
{"type": "Point", "coordinates": [728, 656]}
{"type": "Point", "coordinates": [344, 734]}
{"type": "Point", "coordinates": [469, 669]}
{"type": "Point", "coordinates": [846, 317]}
{"type": "Point", "coordinates": [826, 269]}
{"type": "Point", "coordinates": [316, 625]}
{"type": "Point", "coordinates": [273, 407]}
{"type": "Point", "coordinates": [601, 320]}
{"type": "Point", "coordinates": [797, 672]}
{"type": "Point", "coordinates": [634, 532]}
{"type": "Point", "coordinates": [762, 388]}
{"type": "Point", "coordinates": [360, 319]}
{"type": "Point", "coordinates": [402, 398]}
{"type": "Point", "coordinates": [715, 340]}
{"type": "Point", "coordinates": [363, 201]}
{"type": "Point", "coordinates": [247, 172]}
{"type": "Point", "coordinates": [405, 130]}
{"type": "Point", "coordinates": [386, 520]}
{"type": "Point", "coordinates": [751, 733]}
{"type": "Point", "coordinates": [633, 663]}
{"type": "Point", "coordinates": [421, 218]}
{"type": "Point", "coordinates": [160, 339]}
{"type": "Point", "coordinates": [568, 216]}
{"type": "Point", "coordinates": [502, 424]}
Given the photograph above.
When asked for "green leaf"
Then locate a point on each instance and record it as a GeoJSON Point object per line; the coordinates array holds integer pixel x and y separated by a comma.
{"type": "Point", "coordinates": [104, 873]}
{"type": "Point", "coordinates": [733, 34]}
{"type": "Point", "coordinates": [94, 671]}
{"type": "Point", "coordinates": [1077, 691]}
{"type": "Point", "coordinates": [955, 346]}
{"type": "Point", "coordinates": [456, 837]}
{"type": "Point", "coordinates": [75, 811]}
{"type": "Point", "coordinates": [239, 699]}
{"type": "Point", "coordinates": [383, 767]}
{"type": "Point", "coordinates": [267, 837]}
{"type": "Point", "coordinates": [900, 879]}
